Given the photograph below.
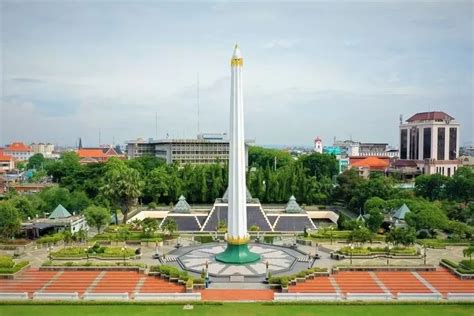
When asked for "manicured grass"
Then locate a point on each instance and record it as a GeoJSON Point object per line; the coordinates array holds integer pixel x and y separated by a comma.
{"type": "Point", "coordinates": [237, 309]}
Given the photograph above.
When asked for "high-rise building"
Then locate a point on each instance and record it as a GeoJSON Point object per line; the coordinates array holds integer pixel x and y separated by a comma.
{"type": "Point", "coordinates": [432, 140]}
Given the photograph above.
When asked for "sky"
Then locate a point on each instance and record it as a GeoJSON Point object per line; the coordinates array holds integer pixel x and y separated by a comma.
{"type": "Point", "coordinates": [105, 70]}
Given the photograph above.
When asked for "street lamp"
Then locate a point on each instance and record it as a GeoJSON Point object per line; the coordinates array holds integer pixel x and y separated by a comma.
{"type": "Point", "coordinates": [331, 228]}
{"type": "Point", "coordinates": [352, 250]}
{"type": "Point", "coordinates": [424, 256]}
{"type": "Point", "coordinates": [124, 248]}
{"type": "Point", "coordinates": [389, 247]}
{"type": "Point", "coordinates": [50, 249]}
{"type": "Point", "coordinates": [267, 271]}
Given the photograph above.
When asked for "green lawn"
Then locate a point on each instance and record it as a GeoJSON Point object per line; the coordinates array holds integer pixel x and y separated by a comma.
{"type": "Point", "coordinates": [237, 309]}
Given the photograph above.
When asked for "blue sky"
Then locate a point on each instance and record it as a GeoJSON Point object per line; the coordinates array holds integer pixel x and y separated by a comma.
{"type": "Point", "coordinates": [344, 69]}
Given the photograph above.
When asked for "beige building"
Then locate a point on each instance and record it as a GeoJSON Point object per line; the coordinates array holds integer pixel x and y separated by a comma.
{"type": "Point", "coordinates": [41, 148]}
{"type": "Point", "coordinates": [205, 149]}
{"type": "Point", "coordinates": [432, 140]}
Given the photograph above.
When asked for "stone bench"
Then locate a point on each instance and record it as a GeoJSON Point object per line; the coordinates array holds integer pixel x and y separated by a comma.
{"type": "Point", "coordinates": [106, 296]}
{"type": "Point", "coordinates": [168, 296]}
{"type": "Point", "coordinates": [419, 296]}
{"type": "Point", "coordinates": [56, 296]}
{"type": "Point", "coordinates": [460, 297]}
{"type": "Point", "coordinates": [13, 296]}
{"type": "Point", "coordinates": [368, 296]}
{"type": "Point", "coordinates": [288, 297]}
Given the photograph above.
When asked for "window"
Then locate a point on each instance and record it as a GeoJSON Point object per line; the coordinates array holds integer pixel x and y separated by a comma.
{"type": "Point", "coordinates": [427, 143]}
{"type": "Point", "coordinates": [453, 138]}
{"type": "Point", "coordinates": [441, 143]}
{"type": "Point", "coordinates": [403, 143]}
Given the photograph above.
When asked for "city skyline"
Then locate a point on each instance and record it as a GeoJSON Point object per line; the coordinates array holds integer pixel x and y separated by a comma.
{"type": "Point", "coordinates": [71, 70]}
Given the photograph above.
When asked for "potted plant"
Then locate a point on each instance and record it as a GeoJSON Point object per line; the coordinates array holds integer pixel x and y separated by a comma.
{"type": "Point", "coordinates": [189, 285]}
{"type": "Point", "coordinates": [284, 284]}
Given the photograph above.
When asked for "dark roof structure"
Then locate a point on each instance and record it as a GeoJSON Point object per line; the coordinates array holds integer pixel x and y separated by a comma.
{"type": "Point", "coordinates": [430, 116]}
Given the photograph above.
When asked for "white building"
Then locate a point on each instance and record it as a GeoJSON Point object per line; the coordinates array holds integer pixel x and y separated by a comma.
{"type": "Point", "coordinates": [318, 145]}
{"type": "Point", "coordinates": [432, 140]}
{"type": "Point", "coordinates": [19, 151]}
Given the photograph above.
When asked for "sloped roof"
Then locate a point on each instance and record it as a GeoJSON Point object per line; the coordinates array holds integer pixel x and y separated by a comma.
{"type": "Point", "coordinates": [293, 206]}
{"type": "Point", "coordinates": [372, 162]}
{"type": "Point", "coordinates": [430, 116]}
{"type": "Point", "coordinates": [182, 206]}
{"type": "Point", "coordinates": [91, 153]}
{"type": "Point", "coordinates": [401, 212]}
{"type": "Point", "coordinates": [59, 212]}
{"type": "Point", "coordinates": [18, 147]}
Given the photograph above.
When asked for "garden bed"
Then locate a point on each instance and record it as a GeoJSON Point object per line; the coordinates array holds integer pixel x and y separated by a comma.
{"type": "Point", "coordinates": [96, 252]}
{"type": "Point", "coordinates": [9, 268]}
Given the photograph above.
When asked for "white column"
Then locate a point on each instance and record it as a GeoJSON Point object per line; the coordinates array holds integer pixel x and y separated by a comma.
{"type": "Point", "coordinates": [237, 225]}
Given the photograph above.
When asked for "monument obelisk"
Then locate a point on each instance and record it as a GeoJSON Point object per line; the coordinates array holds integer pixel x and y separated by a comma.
{"type": "Point", "coordinates": [237, 251]}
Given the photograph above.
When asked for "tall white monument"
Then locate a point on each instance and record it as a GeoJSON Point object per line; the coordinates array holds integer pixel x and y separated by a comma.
{"type": "Point", "coordinates": [237, 251]}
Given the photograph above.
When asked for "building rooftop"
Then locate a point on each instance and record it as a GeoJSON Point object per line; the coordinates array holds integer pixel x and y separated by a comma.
{"type": "Point", "coordinates": [182, 206]}
{"type": "Point", "coordinates": [17, 146]}
{"type": "Point", "coordinates": [372, 162]}
{"type": "Point", "coordinates": [59, 213]}
{"type": "Point", "coordinates": [401, 212]}
{"type": "Point", "coordinates": [430, 116]}
{"type": "Point", "coordinates": [292, 206]}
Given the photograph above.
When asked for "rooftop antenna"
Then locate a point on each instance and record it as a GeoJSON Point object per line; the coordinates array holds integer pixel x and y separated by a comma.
{"type": "Point", "coordinates": [99, 138]}
{"type": "Point", "coordinates": [197, 99]}
{"type": "Point", "coordinates": [156, 125]}
{"type": "Point", "coordinates": [401, 119]}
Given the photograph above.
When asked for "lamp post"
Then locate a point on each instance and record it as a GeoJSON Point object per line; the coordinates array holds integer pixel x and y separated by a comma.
{"type": "Point", "coordinates": [352, 250]}
{"type": "Point", "coordinates": [86, 250]}
{"type": "Point", "coordinates": [50, 249]}
{"type": "Point", "coordinates": [267, 271]}
{"type": "Point", "coordinates": [124, 248]}
{"type": "Point", "coordinates": [388, 253]}
{"type": "Point", "coordinates": [424, 255]}
{"type": "Point", "coordinates": [331, 228]}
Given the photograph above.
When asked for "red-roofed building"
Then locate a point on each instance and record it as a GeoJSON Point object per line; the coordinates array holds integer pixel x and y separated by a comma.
{"type": "Point", "coordinates": [94, 155]}
{"type": "Point", "coordinates": [367, 164]}
{"type": "Point", "coordinates": [7, 162]}
{"type": "Point", "coordinates": [19, 151]}
{"type": "Point", "coordinates": [432, 140]}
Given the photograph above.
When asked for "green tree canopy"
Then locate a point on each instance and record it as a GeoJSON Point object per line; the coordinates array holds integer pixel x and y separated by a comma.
{"type": "Point", "coordinates": [123, 186]}
{"type": "Point", "coordinates": [10, 220]}
{"type": "Point", "coordinates": [97, 216]}
{"type": "Point", "coordinates": [36, 161]}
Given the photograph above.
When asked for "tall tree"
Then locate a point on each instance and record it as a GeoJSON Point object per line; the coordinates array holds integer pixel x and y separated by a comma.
{"type": "Point", "coordinates": [123, 186]}
{"type": "Point", "coordinates": [10, 220]}
{"type": "Point", "coordinates": [97, 216]}
{"type": "Point", "coordinates": [36, 161]}
{"type": "Point", "coordinates": [431, 186]}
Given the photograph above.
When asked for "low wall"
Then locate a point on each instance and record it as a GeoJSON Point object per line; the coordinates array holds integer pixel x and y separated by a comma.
{"type": "Point", "coordinates": [384, 268]}
{"type": "Point", "coordinates": [368, 296]}
{"type": "Point", "coordinates": [455, 272]}
{"type": "Point", "coordinates": [168, 297]}
{"type": "Point", "coordinates": [419, 296]}
{"type": "Point", "coordinates": [56, 296]}
{"type": "Point", "coordinates": [289, 297]}
{"type": "Point", "coordinates": [465, 297]}
{"type": "Point", "coordinates": [106, 296]}
{"type": "Point", "coordinates": [13, 296]}
{"type": "Point", "coordinates": [91, 268]}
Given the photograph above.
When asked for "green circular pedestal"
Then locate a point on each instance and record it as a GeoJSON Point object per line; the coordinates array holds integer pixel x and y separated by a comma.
{"type": "Point", "coordinates": [237, 254]}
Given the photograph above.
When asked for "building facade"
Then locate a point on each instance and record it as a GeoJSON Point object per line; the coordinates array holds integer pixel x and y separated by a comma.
{"type": "Point", "coordinates": [432, 140]}
{"type": "Point", "coordinates": [205, 149]}
{"type": "Point", "coordinates": [45, 149]}
{"type": "Point", "coordinates": [19, 151]}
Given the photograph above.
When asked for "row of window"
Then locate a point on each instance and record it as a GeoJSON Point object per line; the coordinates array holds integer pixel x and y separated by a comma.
{"type": "Point", "coordinates": [414, 134]}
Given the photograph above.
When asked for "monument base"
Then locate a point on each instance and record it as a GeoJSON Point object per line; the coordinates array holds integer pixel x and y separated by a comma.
{"type": "Point", "coordinates": [237, 254]}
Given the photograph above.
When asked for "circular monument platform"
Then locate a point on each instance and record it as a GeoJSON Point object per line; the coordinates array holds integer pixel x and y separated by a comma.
{"type": "Point", "coordinates": [281, 260]}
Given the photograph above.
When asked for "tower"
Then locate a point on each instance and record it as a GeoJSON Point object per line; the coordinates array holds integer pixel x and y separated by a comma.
{"type": "Point", "coordinates": [237, 251]}
{"type": "Point", "coordinates": [318, 145]}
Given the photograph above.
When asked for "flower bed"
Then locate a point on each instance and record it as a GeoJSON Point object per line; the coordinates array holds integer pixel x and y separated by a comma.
{"type": "Point", "coordinates": [94, 252]}
{"type": "Point", "coordinates": [368, 251]}
{"type": "Point", "coordinates": [8, 266]}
